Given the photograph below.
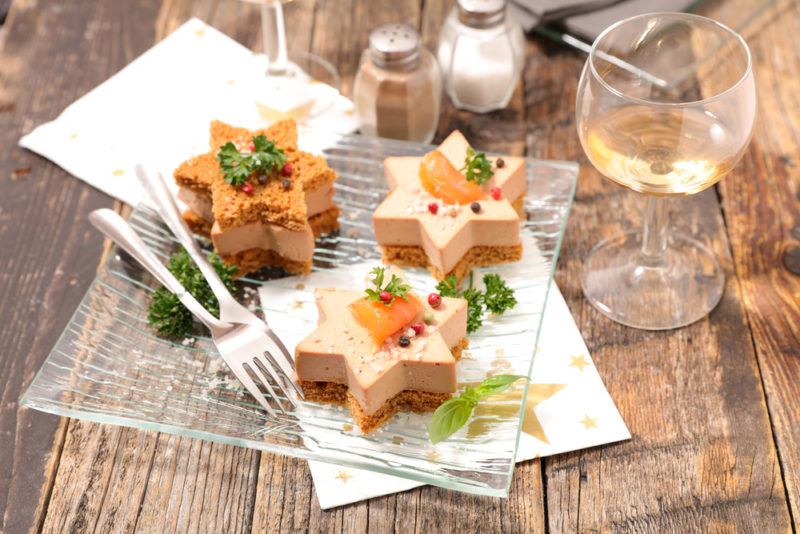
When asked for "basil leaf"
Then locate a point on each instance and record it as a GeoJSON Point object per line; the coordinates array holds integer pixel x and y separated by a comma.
{"type": "Point", "coordinates": [496, 384]}
{"type": "Point", "coordinates": [448, 418]}
{"type": "Point", "coordinates": [471, 395]}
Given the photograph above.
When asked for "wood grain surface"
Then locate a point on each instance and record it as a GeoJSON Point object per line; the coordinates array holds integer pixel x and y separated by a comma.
{"type": "Point", "coordinates": [714, 408]}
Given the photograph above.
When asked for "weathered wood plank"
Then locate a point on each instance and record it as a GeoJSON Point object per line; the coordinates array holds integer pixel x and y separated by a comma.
{"type": "Point", "coordinates": [761, 209]}
{"type": "Point", "coordinates": [41, 284]}
{"type": "Point", "coordinates": [702, 456]}
{"type": "Point", "coordinates": [152, 481]}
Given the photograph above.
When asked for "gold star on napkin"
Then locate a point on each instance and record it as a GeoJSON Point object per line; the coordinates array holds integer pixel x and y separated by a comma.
{"type": "Point", "coordinates": [343, 475]}
{"type": "Point", "coordinates": [496, 408]}
{"type": "Point", "coordinates": [579, 362]}
{"type": "Point", "coordinates": [589, 422]}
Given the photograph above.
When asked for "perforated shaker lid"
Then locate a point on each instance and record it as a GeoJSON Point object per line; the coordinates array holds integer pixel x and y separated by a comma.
{"type": "Point", "coordinates": [481, 13]}
{"type": "Point", "coordinates": [394, 44]}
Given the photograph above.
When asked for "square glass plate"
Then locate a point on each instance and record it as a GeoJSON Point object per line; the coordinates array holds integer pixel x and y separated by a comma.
{"type": "Point", "coordinates": [108, 366]}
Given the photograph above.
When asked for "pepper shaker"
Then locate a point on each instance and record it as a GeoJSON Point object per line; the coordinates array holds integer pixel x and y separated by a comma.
{"type": "Point", "coordinates": [481, 53]}
{"type": "Point", "coordinates": [398, 87]}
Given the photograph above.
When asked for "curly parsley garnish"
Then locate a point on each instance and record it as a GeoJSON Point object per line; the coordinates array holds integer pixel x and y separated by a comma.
{"type": "Point", "coordinates": [396, 288]}
{"type": "Point", "coordinates": [497, 297]}
{"type": "Point", "coordinates": [167, 314]}
{"type": "Point", "coordinates": [476, 167]}
{"type": "Point", "coordinates": [453, 413]}
{"type": "Point", "coordinates": [238, 166]}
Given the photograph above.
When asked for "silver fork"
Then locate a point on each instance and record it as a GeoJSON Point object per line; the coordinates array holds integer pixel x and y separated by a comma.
{"type": "Point", "coordinates": [230, 309]}
{"type": "Point", "coordinates": [239, 344]}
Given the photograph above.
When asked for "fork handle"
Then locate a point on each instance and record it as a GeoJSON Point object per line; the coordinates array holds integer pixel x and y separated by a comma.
{"type": "Point", "coordinates": [120, 232]}
{"type": "Point", "coordinates": [157, 189]}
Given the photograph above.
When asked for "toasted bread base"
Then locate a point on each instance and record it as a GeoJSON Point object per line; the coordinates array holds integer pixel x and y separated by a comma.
{"type": "Point", "coordinates": [479, 256]}
{"type": "Point", "coordinates": [197, 224]}
{"type": "Point", "coordinates": [326, 222]}
{"type": "Point", "coordinates": [408, 400]}
{"type": "Point", "coordinates": [253, 259]}
{"type": "Point", "coordinates": [271, 203]}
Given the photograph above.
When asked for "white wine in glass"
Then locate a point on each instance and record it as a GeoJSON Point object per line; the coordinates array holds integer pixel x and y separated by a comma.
{"type": "Point", "coordinates": [662, 152]}
{"type": "Point", "coordinates": [665, 106]}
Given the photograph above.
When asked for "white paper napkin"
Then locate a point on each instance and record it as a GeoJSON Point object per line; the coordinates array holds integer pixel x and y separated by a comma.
{"type": "Point", "coordinates": [158, 108]}
{"type": "Point", "coordinates": [568, 406]}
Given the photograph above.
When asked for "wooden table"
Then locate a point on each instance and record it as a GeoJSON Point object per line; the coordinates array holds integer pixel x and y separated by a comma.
{"type": "Point", "coordinates": [714, 408]}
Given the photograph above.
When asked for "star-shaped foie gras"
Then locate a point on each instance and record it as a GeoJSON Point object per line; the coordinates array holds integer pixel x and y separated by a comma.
{"type": "Point", "coordinates": [271, 223]}
{"type": "Point", "coordinates": [341, 363]}
{"type": "Point", "coordinates": [416, 228]}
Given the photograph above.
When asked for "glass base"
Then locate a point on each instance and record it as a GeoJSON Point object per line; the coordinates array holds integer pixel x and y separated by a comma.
{"type": "Point", "coordinates": [306, 87]}
{"type": "Point", "coordinates": [310, 65]}
{"type": "Point", "coordinates": [682, 287]}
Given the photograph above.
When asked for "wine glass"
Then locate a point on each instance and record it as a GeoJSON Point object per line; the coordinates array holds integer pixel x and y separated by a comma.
{"type": "Point", "coordinates": [291, 76]}
{"type": "Point", "coordinates": [666, 106]}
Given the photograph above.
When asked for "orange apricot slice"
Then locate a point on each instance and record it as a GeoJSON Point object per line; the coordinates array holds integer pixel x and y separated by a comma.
{"type": "Point", "coordinates": [384, 320]}
{"type": "Point", "coordinates": [441, 179]}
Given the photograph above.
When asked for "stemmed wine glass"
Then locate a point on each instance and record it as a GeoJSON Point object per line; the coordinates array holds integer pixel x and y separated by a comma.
{"type": "Point", "coordinates": [291, 76]}
{"type": "Point", "coordinates": [666, 105]}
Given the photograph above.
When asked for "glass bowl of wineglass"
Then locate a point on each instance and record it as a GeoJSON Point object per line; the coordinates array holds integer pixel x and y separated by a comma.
{"type": "Point", "coordinates": [665, 107]}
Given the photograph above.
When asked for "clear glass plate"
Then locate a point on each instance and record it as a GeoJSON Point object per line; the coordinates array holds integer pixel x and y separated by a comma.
{"type": "Point", "coordinates": [109, 367]}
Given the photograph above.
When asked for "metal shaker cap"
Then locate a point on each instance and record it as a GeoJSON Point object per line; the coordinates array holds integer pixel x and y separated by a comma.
{"type": "Point", "coordinates": [394, 44]}
{"type": "Point", "coordinates": [481, 13]}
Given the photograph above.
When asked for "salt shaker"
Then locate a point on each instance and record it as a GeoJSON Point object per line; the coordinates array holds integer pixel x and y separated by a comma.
{"type": "Point", "coordinates": [398, 87]}
{"type": "Point", "coordinates": [481, 53]}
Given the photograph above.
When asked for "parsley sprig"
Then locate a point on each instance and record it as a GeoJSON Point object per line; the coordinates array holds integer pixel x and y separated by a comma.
{"type": "Point", "coordinates": [497, 297]}
{"type": "Point", "coordinates": [397, 287]}
{"type": "Point", "coordinates": [453, 413]}
{"type": "Point", "coordinates": [237, 166]}
{"type": "Point", "coordinates": [476, 167]}
{"type": "Point", "coordinates": [167, 314]}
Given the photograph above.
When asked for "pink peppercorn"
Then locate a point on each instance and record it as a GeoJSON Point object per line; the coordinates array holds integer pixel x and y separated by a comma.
{"type": "Point", "coordinates": [433, 207]}
{"type": "Point", "coordinates": [434, 299]}
{"type": "Point", "coordinates": [287, 170]}
{"type": "Point", "coordinates": [418, 328]}
{"type": "Point", "coordinates": [496, 193]}
{"type": "Point", "coordinates": [386, 296]}
{"type": "Point", "coordinates": [247, 189]}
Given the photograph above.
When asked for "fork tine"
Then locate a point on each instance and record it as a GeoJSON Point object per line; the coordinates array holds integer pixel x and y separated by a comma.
{"type": "Point", "coordinates": [289, 378]}
{"type": "Point", "coordinates": [257, 370]}
{"type": "Point", "coordinates": [283, 350]}
{"type": "Point", "coordinates": [245, 379]}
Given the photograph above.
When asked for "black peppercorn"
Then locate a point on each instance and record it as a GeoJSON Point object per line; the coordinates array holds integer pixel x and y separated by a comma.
{"type": "Point", "coordinates": [500, 163]}
{"type": "Point", "coordinates": [475, 207]}
{"type": "Point", "coordinates": [286, 183]}
{"type": "Point", "coordinates": [404, 341]}
{"type": "Point", "coordinates": [262, 179]}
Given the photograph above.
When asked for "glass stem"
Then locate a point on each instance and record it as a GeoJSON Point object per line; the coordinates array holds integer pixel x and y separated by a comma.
{"type": "Point", "coordinates": [654, 234]}
{"type": "Point", "coordinates": [273, 31]}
